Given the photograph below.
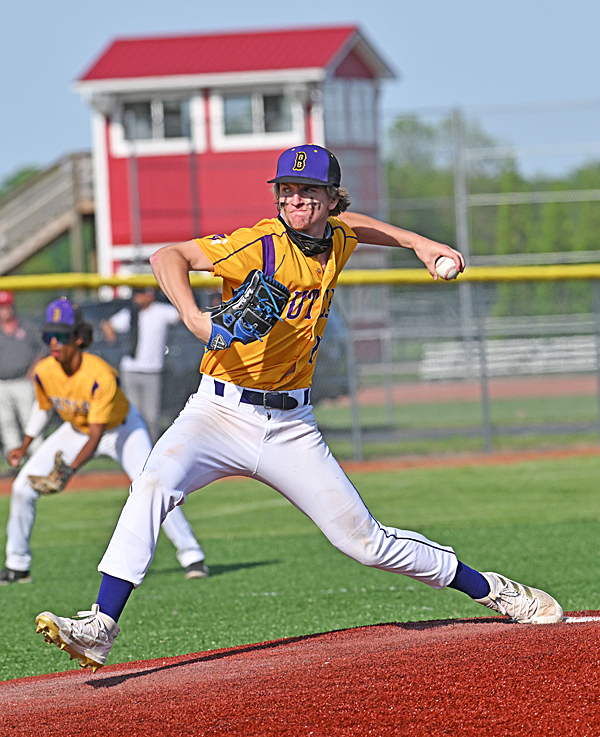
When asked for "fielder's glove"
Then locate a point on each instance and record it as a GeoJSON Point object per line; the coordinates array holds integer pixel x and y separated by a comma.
{"type": "Point", "coordinates": [56, 480]}
{"type": "Point", "coordinates": [251, 313]}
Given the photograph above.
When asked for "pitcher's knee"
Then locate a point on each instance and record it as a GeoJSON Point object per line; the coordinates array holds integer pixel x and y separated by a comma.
{"type": "Point", "coordinates": [150, 488]}
{"type": "Point", "coordinates": [362, 550]}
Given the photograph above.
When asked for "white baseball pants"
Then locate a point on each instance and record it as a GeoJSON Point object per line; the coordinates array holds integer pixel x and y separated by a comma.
{"type": "Point", "coordinates": [16, 398]}
{"type": "Point", "coordinates": [218, 435]}
{"type": "Point", "coordinates": [128, 444]}
{"type": "Point", "coordinates": [144, 390]}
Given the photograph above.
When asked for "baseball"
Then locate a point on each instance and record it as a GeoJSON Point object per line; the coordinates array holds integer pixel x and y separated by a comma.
{"type": "Point", "coordinates": [446, 268]}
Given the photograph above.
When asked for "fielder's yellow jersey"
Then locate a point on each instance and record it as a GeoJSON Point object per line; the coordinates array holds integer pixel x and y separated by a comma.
{"type": "Point", "coordinates": [92, 395]}
{"type": "Point", "coordinates": [285, 359]}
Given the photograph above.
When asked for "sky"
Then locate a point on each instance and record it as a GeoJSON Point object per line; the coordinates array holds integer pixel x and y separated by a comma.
{"type": "Point", "coordinates": [488, 58]}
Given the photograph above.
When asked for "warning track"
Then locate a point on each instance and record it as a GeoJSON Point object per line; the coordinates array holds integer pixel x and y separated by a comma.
{"type": "Point", "coordinates": [446, 677]}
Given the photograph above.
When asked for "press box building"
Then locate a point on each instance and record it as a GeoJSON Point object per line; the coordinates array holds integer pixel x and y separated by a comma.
{"type": "Point", "coordinates": [187, 129]}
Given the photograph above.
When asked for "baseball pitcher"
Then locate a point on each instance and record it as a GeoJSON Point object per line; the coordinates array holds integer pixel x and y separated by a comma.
{"type": "Point", "coordinates": [252, 414]}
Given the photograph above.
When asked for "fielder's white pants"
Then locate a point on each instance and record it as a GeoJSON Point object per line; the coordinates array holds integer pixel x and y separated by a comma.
{"type": "Point", "coordinates": [16, 398]}
{"type": "Point", "coordinates": [144, 391]}
{"type": "Point", "coordinates": [128, 444]}
{"type": "Point", "coordinates": [218, 436]}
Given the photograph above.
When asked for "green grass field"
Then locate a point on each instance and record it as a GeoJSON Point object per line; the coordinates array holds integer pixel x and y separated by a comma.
{"type": "Point", "coordinates": [456, 415]}
{"type": "Point", "coordinates": [275, 575]}
{"type": "Point", "coordinates": [520, 423]}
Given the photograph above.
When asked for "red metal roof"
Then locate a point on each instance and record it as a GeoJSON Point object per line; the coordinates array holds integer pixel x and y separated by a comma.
{"type": "Point", "coordinates": [220, 53]}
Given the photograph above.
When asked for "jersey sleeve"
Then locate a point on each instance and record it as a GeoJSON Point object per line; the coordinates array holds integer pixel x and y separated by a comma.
{"type": "Point", "coordinates": [102, 403]}
{"type": "Point", "coordinates": [40, 393]}
{"type": "Point", "coordinates": [235, 255]}
{"type": "Point", "coordinates": [349, 241]}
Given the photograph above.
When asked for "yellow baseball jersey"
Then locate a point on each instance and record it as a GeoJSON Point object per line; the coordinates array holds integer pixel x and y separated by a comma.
{"type": "Point", "coordinates": [92, 395]}
{"type": "Point", "coordinates": [285, 359]}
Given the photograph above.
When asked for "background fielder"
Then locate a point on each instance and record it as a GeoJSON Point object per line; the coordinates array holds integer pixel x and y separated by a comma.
{"type": "Point", "coordinates": [98, 420]}
{"type": "Point", "coordinates": [252, 414]}
{"type": "Point", "coordinates": [141, 369]}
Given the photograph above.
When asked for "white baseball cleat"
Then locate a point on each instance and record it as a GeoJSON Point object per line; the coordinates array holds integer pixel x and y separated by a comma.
{"type": "Point", "coordinates": [88, 640]}
{"type": "Point", "coordinates": [523, 604]}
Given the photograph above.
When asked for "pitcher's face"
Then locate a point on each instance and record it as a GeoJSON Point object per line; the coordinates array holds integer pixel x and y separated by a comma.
{"type": "Point", "coordinates": [305, 207]}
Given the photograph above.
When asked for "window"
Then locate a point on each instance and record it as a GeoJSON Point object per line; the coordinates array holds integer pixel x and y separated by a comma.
{"type": "Point", "coordinates": [237, 110]}
{"type": "Point", "coordinates": [176, 119]}
{"type": "Point", "coordinates": [256, 114]}
{"type": "Point", "coordinates": [156, 119]}
{"type": "Point", "coordinates": [137, 119]}
{"type": "Point", "coordinates": [277, 114]}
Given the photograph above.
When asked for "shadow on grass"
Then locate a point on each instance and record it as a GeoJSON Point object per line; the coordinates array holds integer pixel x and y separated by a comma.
{"type": "Point", "coordinates": [216, 569]}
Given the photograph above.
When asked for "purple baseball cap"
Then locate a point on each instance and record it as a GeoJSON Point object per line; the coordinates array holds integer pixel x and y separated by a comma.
{"type": "Point", "coordinates": [308, 164]}
{"type": "Point", "coordinates": [61, 316]}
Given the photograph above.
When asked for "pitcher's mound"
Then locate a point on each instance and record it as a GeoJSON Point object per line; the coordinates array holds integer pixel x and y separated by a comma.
{"type": "Point", "coordinates": [446, 677]}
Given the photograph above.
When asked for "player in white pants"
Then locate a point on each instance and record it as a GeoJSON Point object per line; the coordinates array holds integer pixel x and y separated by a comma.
{"type": "Point", "coordinates": [285, 450]}
{"type": "Point", "coordinates": [252, 414]}
{"type": "Point", "coordinates": [128, 444]}
{"type": "Point", "coordinates": [126, 440]}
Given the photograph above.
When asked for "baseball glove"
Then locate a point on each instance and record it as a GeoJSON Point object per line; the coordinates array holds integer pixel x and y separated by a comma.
{"type": "Point", "coordinates": [56, 480]}
{"type": "Point", "coordinates": [250, 314]}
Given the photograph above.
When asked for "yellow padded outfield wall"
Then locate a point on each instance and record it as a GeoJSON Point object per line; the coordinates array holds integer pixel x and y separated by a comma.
{"type": "Point", "coordinates": [349, 276]}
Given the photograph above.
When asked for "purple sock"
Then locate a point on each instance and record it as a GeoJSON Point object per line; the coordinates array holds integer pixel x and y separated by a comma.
{"type": "Point", "coordinates": [470, 582]}
{"type": "Point", "coordinates": [113, 595]}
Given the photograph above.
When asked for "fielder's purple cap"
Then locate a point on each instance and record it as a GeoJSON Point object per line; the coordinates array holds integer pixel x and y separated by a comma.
{"type": "Point", "coordinates": [308, 164]}
{"type": "Point", "coordinates": [61, 316]}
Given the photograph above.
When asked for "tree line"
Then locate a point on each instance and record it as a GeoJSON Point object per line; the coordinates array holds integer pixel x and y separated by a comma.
{"type": "Point", "coordinates": [419, 167]}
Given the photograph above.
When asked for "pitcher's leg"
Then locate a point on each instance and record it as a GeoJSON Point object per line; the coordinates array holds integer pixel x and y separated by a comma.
{"type": "Point", "coordinates": [303, 469]}
{"type": "Point", "coordinates": [131, 447]}
{"type": "Point", "coordinates": [200, 447]}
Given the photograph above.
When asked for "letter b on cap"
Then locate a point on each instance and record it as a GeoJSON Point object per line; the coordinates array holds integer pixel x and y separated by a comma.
{"type": "Point", "coordinates": [300, 161]}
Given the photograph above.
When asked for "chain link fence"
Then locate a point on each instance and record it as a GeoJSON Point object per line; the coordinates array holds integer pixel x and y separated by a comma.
{"type": "Point", "coordinates": [420, 380]}
{"type": "Point", "coordinates": [433, 381]}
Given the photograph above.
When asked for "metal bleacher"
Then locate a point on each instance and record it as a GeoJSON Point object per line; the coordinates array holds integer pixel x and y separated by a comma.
{"type": "Point", "coordinates": [43, 208]}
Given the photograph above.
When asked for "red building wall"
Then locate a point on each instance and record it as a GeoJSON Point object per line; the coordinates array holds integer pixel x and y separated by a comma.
{"type": "Point", "coordinates": [230, 191]}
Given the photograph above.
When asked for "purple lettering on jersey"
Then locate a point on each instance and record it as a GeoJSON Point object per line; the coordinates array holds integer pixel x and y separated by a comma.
{"type": "Point", "coordinates": [293, 311]}
{"type": "Point", "coordinates": [314, 350]}
{"type": "Point", "coordinates": [268, 253]}
{"type": "Point", "coordinates": [312, 296]}
{"type": "Point", "coordinates": [328, 298]}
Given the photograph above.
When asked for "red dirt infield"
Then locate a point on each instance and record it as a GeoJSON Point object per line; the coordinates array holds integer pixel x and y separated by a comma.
{"type": "Point", "coordinates": [448, 677]}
